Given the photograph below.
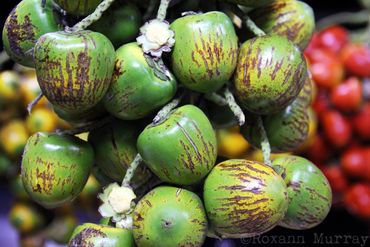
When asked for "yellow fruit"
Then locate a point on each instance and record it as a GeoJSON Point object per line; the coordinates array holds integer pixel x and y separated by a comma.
{"type": "Point", "coordinates": [312, 130]}
{"type": "Point", "coordinates": [30, 89]}
{"type": "Point", "coordinates": [13, 138]}
{"type": "Point", "coordinates": [26, 218]}
{"type": "Point", "coordinates": [231, 144]}
{"type": "Point", "coordinates": [9, 88]}
{"type": "Point", "coordinates": [257, 155]}
{"type": "Point", "coordinates": [41, 120]}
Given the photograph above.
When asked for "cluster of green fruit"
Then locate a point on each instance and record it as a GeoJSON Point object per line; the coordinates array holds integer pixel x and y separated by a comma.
{"type": "Point", "coordinates": [86, 80]}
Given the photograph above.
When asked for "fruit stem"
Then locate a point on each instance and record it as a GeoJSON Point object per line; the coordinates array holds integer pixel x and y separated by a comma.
{"type": "Point", "coordinates": [90, 19]}
{"type": "Point", "coordinates": [162, 11]}
{"type": "Point", "coordinates": [344, 17]}
{"type": "Point", "coordinates": [265, 144]}
{"type": "Point", "coordinates": [86, 128]}
{"type": "Point", "coordinates": [163, 113]}
{"type": "Point", "coordinates": [131, 170]}
{"type": "Point", "coordinates": [150, 9]}
{"type": "Point", "coordinates": [253, 27]}
{"type": "Point", "coordinates": [34, 102]}
{"type": "Point", "coordinates": [234, 107]}
{"type": "Point", "coordinates": [215, 98]}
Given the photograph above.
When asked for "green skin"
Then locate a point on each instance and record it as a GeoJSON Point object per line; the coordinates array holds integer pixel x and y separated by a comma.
{"type": "Point", "coordinates": [221, 117]}
{"type": "Point", "coordinates": [17, 189]}
{"type": "Point", "coordinates": [74, 70]}
{"type": "Point", "coordinates": [252, 3]}
{"type": "Point", "coordinates": [271, 72]}
{"type": "Point", "coordinates": [309, 192]}
{"type": "Point", "coordinates": [244, 198]}
{"type": "Point", "coordinates": [103, 179]}
{"type": "Point", "coordinates": [305, 96]}
{"type": "Point", "coordinates": [170, 217]}
{"type": "Point", "coordinates": [289, 18]}
{"type": "Point", "coordinates": [94, 235]}
{"type": "Point", "coordinates": [135, 90]}
{"type": "Point", "coordinates": [24, 26]}
{"type": "Point", "coordinates": [182, 149]}
{"type": "Point", "coordinates": [286, 130]}
{"type": "Point", "coordinates": [55, 168]}
{"type": "Point", "coordinates": [115, 148]}
{"type": "Point", "coordinates": [205, 53]}
{"type": "Point", "coordinates": [78, 7]}
{"type": "Point", "coordinates": [120, 24]}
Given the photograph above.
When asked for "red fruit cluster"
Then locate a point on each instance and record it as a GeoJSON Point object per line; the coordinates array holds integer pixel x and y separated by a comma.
{"type": "Point", "coordinates": [341, 147]}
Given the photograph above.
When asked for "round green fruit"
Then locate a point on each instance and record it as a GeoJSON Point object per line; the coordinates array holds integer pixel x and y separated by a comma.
{"type": "Point", "coordinates": [74, 70]}
{"type": "Point", "coordinates": [205, 53]}
{"type": "Point", "coordinates": [55, 168]}
{"type": "Point", "coordinates": [286, 130]}
{"type": "Point", "coordinates": [26, 218]}
{"type": "Point", "coordinates": [305, 96]}
{"type": "Point", "coordinates": [24, 26]}
{"type": "Point", "coordinates": [115, 148]}
{"type": "Point", "coordinates": [94, 235]}
{"type": "Point", "coordinates": [181, 149]}
{"type": "Point", "coordinates": [169, 216]}
{"type": "Point", "coordinates": [135, 90]}
{"type": "Point", "coordinates": [120, 23]}
{"type": "Point", "coordinates": [244, 198]}
{"type": "Point", "coordinates": [309, 192]}
{"type": "Point", "coordinates": [271, 72]}
{"type": "Point", "coordinates": [78, 7]}
{"type": "Point", "coordinates": [289, 18]}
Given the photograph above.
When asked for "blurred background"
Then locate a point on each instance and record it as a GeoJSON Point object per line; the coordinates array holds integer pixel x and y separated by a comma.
{"type": "Point", "coordinates": [347, 218]}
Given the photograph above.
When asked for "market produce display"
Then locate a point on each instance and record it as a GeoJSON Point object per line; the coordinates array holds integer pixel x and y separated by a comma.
{"type": "Point", "coordinates": [171, 114]}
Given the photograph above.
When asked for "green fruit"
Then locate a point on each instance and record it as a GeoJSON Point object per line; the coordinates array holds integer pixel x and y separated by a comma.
{"type": "Point", "coordinates": [78, 7]}
{"type": "Point", "coordinates": [305, 96]}
{"type": "Point", "coordinates": [289, 18]}
{"type": "Point", "coordinates": [169, 216]}
{"type": "Point", "coordinates": [18, 190]}
{"type": "Point", "coordinates": [221, 117]}
{"type": "Point", "coordinates": [103, 179]}
{"type": "Point", "coordinates": [120, 23]}
{"type": "Point", "coordinates": [271, 71]}
{"type": "Point", "coordinates": [286, 130]}
{"type": "Point", "coordinates": [74, 70]}
{"type": "Point", "coordinates": [244, 198]}
{"type": "Point", "coordinates": [24, 26]}
{"type": "Point", "coordinates": [309, 192]}
{"type": "Point", "coordinates": [55, 168]}
{"type": "Point", "coordinates": [94, 235]}
{"type": "Point", "coordinates": [181, 149]}
{"type": "Point", "coordinates": [135, 90]}
{"type": "Point", "coordinates": [252, 3]}
{"type": "Point", "coordinates": [115, 148]}
{"type": "Point", "coordinates": [205, 53]}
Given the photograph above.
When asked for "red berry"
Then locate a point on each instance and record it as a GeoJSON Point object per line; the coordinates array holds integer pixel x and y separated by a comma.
{"type": "Point", "coordinates": [348, 95]}
{"type": "Point", "coordinates": [337, 128]}
{"type": "Point", "coordinates": [356, 59]}
{"type": "Point", "coordinates": [337, 179]}
{"type": "Point", "coordinates": [357, 200]}
{"type": "Point", "coordinates": [353, 163]}
{"type": "Point", "coordinates": [361, 122]}
{"type": "Point", "coordinates": [333, 38]}
{"type": "Point", "coordinates": [319, 151]}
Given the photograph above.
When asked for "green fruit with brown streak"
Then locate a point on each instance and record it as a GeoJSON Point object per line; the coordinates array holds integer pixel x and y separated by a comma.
{"type": "Point", "coordinates": [182, 148]}
{"type": "Point", "coordinates": [94, 235]}
{"type": "Point", "coordinates": [285, 130]}
{"type": "Point", "coordinates": [309, 192]}
{"type": "Point", "coordinates": [115, 148]}
{"type": "Point", "coordinates": [292, 19]}
{"type": "Point", "coordinates": [136, 91]}
{"type": "Point", "coordinates": [169, 217]}
{"type": "Point", "coordinates": [55, 168]}
{"type": "Point", "coordinates": [205, 53]}
{"type": "Point", "coordinates": [271, 72]}
{"type": "Point", "coordinates": [252, 3]}
{"type": "Point", "coordinates": [78, 7]}
{"type": "Point", "coordinates": [305, 96]}
{"type": "Point", "coordinates": [74, 70]}
{"type": "Point", "coordinates": [24, 26]}
{"type": "Point", "coordinates": [244, 198]}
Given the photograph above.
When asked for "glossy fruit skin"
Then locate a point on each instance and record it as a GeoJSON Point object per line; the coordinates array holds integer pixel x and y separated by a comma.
{"type": "Point", "coordinates": [115, 148]}
{"type": "Point", "coordinates": [251, 3]}
{"type": "Point", "coordinates": [13, 138]}
{"type": "Point", "coordinates": [309, 192]}
{"type": "Point", "coordinates": [94, 235]}
{"type": "Point", "coordinates": [361, 122]}
{"type": "Point", "coordinates": [306, 95]}
{"type": "Point", "coordinates": [337, 128]}
{"type": "Point", "coordinates": [120, 23]}
{"type": "Point", "coordinates": [26, 218]}
{"type": "Point", "coordinates": [24, 26]}
{"type": "Point", "coordinates": [78, 7]}
{"type": "Point", "coordinates": [289, 18]}
{"type": "Point", "coordinates": [354, 163]}
{"type": "Point", "coordinates": [74, 70]}
{"type": "Point", "coordinates": [9, 88]}
{"type": "Point", "coordinates": [55, 168]}
{"type": "Point", "coordinates": [285, 130]}
{"type": "Point", "coordinates": [231, 144]}
{"type": "Point", "coordinates": [347, 96]}
{"type": "Point", "coordinates": [271, 72]}
{"type": "Point", "coordinates": [244, 198]}
{"type": "Point", "coordinates": [333, 38]}
{"type": "Point", "coordinates": [205, 53]}
{"type": "Point", "coordinates": [182, 149]}
{"type": "Point", "coordinates": [356, 59]}
{"type": "Point", "coordinates": [169, 216]}
{"type": "Point", "coordinates": [135, 90]}
{"type": "Point", "coordinates": [357, 200]}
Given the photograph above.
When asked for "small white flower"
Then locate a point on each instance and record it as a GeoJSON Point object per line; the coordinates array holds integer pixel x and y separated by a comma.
{"type": "Point", "coordinates": [126, 222]}
{"type": "Point", "coordinates": [156, 37]}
